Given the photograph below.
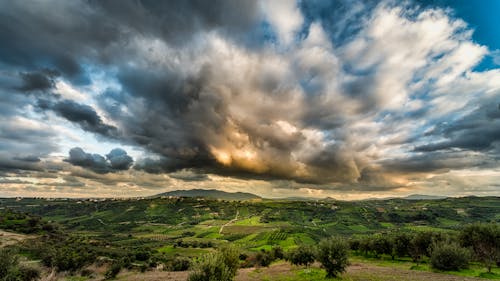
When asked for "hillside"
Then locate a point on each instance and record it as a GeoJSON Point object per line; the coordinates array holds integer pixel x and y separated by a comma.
{"type": "Point", "coordinates": [210, 193]}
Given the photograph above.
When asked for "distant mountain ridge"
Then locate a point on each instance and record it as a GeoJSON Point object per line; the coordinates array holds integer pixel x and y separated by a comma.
{"type": "Point", "coordinates": [423, 197]}
{"type": "Point", "coordinates": [210, 193]}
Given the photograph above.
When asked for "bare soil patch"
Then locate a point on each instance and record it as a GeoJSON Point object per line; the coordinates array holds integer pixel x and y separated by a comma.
{"type": "Point", "coordinates": [355, 272]}
{"type": "Point", "coordinates": [10, 238]}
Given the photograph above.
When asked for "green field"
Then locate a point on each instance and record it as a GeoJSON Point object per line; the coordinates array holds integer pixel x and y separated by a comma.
{"type": "Point", "coordinates": [161, 229]}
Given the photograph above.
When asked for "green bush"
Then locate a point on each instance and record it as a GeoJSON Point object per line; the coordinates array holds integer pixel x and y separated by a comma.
{"type": "Point", "coordinates": [113, 270]}
{"type": "Point", "coordinates": [302, 255]}
{"type": "Point", "coordinates": [449, 257]}
{"type": "Point", "coordinates": [264, 258]}
{"type": "Point", "coordinates": [333, 255]}
{"type": "Point", "coordinates": [219, 266]}
{"type": "Point", "coordinates": [10, 270]}
{"type": "Point", "coordinates": [179, 264]}
{"type": "Point", "coordinates": [277, 253]}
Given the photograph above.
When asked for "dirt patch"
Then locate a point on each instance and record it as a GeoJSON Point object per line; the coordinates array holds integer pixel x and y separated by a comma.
{"type": "Point", "coordinates": [368, 272]}
{"type": "Point", "coordinates": [10, 238]}
{"type": "Point", "coordinates": [280, 271]}
{"type": "Point", "coordinates": [154, 276]}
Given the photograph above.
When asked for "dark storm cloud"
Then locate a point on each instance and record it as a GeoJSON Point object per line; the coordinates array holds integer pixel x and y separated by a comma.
{"type": "Point", "coordinates": [83, 115]}
{"type": "Point", "coordinates": [119, 160]}
{"type": "Point", "coordinates": [207, 87]}
{"type": "Point", "coordinates": [116, 160]}
{"type": "Point", "coordinates": [38, 81]}
{"type": "Point", "coordinates": [188, 175]}
{"type": "Point", "coordinates": [58, 34]}
{"type": "Point", "coordinates": [177, 21]}
{"type": "Point", "coordinates": [479, 131]}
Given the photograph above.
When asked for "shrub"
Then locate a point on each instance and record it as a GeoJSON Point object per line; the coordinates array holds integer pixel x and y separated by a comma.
{"type": "Point", "coordinates": [179, 264]}
{"type": "Point", "coordinates": [277, 253]}
{"type": "Point", "coordinates": [28, 273]}
{"type": "Point", "coordinates": [264, 258]}
{"type": "Point", "coordinates": [333, 256]}
{"type": "Point", "coordinates": [219, 266]}
{"type": "Point", "coordinates": [8, 263]}
{"type": "Point", "coordinates": [113, 270]}
{"type": "Point", "coordinates": [449, 257]}
{"type": "Point", "coordinates": [10, 270]}
{"type": "Point", "coordinates": [302, 255]}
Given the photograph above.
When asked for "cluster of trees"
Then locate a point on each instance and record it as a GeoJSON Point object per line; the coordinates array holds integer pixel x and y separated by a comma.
{"type": "Point", "coordinates": [24, 223]}
{"type": "Point", "coordinates": [12, 270]}
{"type": "Point", "coordinates": [479, 242]}
{"type": "Point", "coordinates": [223, 264]}
{"type": "Point", "coordinates": [332, 253]}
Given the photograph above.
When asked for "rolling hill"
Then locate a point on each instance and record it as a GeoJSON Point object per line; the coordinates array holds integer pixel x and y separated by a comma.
{"type": "Point", "coordinates": [210, 193]}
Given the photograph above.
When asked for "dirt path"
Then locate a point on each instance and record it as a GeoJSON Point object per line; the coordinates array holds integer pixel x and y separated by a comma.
{"type": "Point", "coordinates": [229, 222]}
{"type": "Point", "coordinates": [284, 271]}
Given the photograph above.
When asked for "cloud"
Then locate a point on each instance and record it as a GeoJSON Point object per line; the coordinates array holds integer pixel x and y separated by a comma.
{"type": "Point", "coordinates": [345, 95]}
{"type": "Point", "coordinates": [83, 115]}
{"type": "Point", "coordinates": [119, 160]}
{"type": "Point", "coordinates": [285, 17]}
{"type": "Point", "coordinates": [38, 81]}
{"type": "Point", "coordinates": [116, 160]}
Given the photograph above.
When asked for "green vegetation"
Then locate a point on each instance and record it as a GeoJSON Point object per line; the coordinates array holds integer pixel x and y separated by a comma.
{"type": "Point", "coordinates": [172, 233]}
{"type": "Point", "coordinates": [449, 256]}
{"type": "Point", "coordinates": [11, 270]}
{"type": "Point", "coordinates": [333, 255]}
{"type": "Point", "coordinates": [302, 255]}
{"type": "Point", "coordinates": [219, 266]}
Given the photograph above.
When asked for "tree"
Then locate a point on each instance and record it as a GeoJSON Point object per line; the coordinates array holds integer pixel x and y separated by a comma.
{"type": "Point", "coordinates": [401, 244]}
{"type": "Point", "coordinates": [382, 244]}
{"type": "Point", "coordinates": [420, 246]}
{"type": "Point", "coordinates": [449, 256]}
{"type": "Point", "coordinates": [484, 239]}
{"type": "Point", "coordinates": [302, 255]}
{"type": "Point", "coordinates": [219, 266]}
{"type": "Point", "coordinates": [333, 256]}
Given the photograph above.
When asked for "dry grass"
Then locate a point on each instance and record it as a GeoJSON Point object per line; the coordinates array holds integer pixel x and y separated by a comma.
{"type": "Point", "coordinates": [286, 272]}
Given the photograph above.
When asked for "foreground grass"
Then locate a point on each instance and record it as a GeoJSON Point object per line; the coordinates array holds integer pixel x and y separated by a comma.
{"type": "Point", "coordinates": [474, 270]}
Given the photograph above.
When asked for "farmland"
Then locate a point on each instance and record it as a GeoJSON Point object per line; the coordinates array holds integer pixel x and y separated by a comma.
{"type": "Point", "coordinates": [156, 231]}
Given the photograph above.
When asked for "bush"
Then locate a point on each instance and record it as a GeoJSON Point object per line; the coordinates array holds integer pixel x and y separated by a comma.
{"type": "Point", "coordinates": [219, 266]}
{"type": "Point", "coordinates": [277, 253]}
{"type": "Point", "coordinates": [449, 257]}
{"type": "Point", "coordinates": [264, 258]}
{"type": "Point", "coordinates": [28, 273]}
{"type": "Point", "coordinates": [333, 256]}
{"type": "Point", "coordinates": [8, 263]}
{"type": "Point", "coordinates": [179, 264]}
{"type": "Point", "coordinates": [303, 255]}
{"type": "Point", "coordinates": [10, 270]}
{"type": "Point", "coordinates": [113, 270]}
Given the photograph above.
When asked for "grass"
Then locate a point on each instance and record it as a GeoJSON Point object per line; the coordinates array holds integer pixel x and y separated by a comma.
{"type": "Point", "coordinates": [255, 220]}
{"type": "Point", "coordinates": [474, 270]}
{"type": "Point", "coordinates": [189, 252]}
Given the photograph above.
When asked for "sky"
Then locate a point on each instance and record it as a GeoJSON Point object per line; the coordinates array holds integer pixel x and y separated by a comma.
{"type": "Point", "coordinates": [348, 99]}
